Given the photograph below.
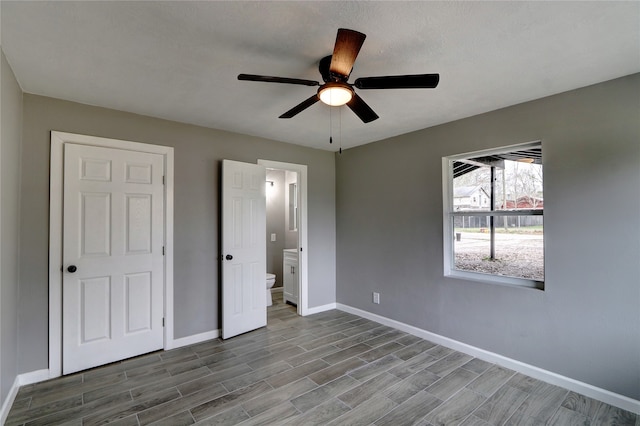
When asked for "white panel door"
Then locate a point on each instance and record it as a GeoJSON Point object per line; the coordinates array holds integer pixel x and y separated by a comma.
{"type": "Point", "coordinates": [244, 248]}
{"type": "Point", "coordinates": [113, 273]}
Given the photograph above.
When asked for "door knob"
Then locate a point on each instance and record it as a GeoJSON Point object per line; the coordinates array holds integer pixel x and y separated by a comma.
{"type": "Point", "coordinates": [72, 268]}
{"type": "Point", "coordinates": [228, 257]}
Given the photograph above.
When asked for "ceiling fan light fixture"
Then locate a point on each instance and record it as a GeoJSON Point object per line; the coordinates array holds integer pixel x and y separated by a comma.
{"type": "Point", "coordinates": [335, 94]}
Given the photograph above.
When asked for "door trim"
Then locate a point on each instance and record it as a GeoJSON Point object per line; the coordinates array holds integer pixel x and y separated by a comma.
{"type": "Point", "coordinates": [303, 226]}
{"type": "Point", "coordinates": [58, 139]}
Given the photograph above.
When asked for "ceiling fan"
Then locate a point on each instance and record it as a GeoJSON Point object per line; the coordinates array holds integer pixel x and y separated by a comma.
{"type": "Point", "coordinates": [335, 70]}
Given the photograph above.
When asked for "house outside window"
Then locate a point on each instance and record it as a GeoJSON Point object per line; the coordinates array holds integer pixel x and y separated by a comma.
{"type": "Point", "coordinates": [493, 216]}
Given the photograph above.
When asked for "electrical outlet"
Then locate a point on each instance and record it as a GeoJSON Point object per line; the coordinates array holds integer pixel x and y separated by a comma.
{"type": "Point", "coordinates": [376, 298]}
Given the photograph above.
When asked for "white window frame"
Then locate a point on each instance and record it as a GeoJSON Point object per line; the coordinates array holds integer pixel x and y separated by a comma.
{"type": "Point", "coordinates": [449, 214]}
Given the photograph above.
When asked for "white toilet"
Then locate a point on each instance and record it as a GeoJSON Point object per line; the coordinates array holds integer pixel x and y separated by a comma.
{"type": "Point", "coordinates": [271, 280]}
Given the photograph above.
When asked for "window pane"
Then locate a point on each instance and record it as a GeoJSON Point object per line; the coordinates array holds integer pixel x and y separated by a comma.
{"type": "Point", "coordinates": [519, 246]}
{"type": "Point", "coordinates": [472, 190]}
{"type": "Point", "coordinates": [519, 186]}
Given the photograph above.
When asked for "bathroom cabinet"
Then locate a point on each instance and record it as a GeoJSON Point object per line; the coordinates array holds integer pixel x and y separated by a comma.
{"type": "Point", "coordinates": [290, 275]}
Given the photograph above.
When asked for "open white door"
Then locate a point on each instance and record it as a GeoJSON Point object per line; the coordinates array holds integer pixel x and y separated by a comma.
{"type": "Point", "coordinates": [113, 277]}
{"type": "Point", "coordinates": [244, 247]}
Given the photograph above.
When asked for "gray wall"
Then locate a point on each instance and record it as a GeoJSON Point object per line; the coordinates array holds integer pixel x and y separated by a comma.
{"type": "Point", "coordinates": [198, 155]}
{"type": "Point", "coordinates": [275, 223]}
{"type": "Point", "coordinates": [586, 323]}
{"type": "Point", "coordinates": [11, 127]}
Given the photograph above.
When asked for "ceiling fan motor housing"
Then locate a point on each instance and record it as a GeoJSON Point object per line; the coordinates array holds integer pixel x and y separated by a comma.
{"type": "Point", "coordinates": [327, 75]}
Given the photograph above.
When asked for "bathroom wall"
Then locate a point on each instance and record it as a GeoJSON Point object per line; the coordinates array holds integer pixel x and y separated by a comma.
{"type": "Point", "coordinates": [276, 222]}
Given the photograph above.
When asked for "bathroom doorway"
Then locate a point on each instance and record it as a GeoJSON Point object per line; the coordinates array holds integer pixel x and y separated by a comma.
{"type": "Point", "coordinates": [286, 232]}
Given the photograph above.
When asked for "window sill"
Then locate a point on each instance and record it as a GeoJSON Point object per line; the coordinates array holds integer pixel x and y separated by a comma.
{"type": "Point", "coordinates": [495, 279]}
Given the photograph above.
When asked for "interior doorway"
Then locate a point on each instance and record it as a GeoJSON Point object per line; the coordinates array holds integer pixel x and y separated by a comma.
{"type": "Point", "coordinates": [287, 231]}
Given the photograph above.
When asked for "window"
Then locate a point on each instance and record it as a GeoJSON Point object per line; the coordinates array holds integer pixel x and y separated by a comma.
{"type": "Point", "coordinates": [501, 239]}
{"type": "Point", "coordinates": [293, 207]}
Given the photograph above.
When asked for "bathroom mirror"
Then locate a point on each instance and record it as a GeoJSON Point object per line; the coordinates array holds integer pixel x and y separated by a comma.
{"type": "Point", "coordinates": [293, 207]}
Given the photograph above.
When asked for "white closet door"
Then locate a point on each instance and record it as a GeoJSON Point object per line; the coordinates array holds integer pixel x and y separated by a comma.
{"type": "Point", "coordinates": [113, 273]}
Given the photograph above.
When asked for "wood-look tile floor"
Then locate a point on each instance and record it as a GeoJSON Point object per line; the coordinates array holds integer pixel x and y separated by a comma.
{"type": "Point", "coordinates": [331, 368]}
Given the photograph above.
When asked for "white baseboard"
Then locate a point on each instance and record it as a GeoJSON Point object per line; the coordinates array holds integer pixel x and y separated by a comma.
{"type": "Point", "coordinates": [21, 380]}
{"type": "Point", "coordinates": [192, 340]}
{"type": "Point", "coordinates": [318, 309]}
{"type": "Point", "coordinates": [34, 377]}
{"type": "Point", "coordinates": [586, 389]}
{"type": "Point", "coordinates": [214, 334]}
{"type": "Point", "coordinates": [8, 402]}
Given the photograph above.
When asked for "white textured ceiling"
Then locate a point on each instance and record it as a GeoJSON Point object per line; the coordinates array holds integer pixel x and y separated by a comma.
{"type": "Point", "coordinates": [180, 60]}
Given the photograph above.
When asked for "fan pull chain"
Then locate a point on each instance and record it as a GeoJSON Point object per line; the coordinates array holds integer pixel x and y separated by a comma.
{"type": "Point", "coordinates": [330, 127]}
{"type": "Point", "coordinates": [340, 128]}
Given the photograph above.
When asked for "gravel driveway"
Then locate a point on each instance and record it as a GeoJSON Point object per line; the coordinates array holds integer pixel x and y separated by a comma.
{"type": "Point", "coordinates": [517, 255]}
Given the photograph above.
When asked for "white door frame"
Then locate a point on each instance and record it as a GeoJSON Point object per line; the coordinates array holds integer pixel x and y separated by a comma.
{"type": "Point", "coordinates": [303, 281]}
{"type": "Point", "coordinates": [58, 139]}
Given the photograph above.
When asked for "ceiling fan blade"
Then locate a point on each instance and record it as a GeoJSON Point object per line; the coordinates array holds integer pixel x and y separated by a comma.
{"type": "Point", "coordinates": [361, 109]}
{"type": "Point", "coordinates": [300, 107]}
{"type": "Point", "coordinates": [345, 51]}
{"type": "Point", "coordinates": [267, 79]}
{"type": "Point", "coordinates": [416, 81]}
